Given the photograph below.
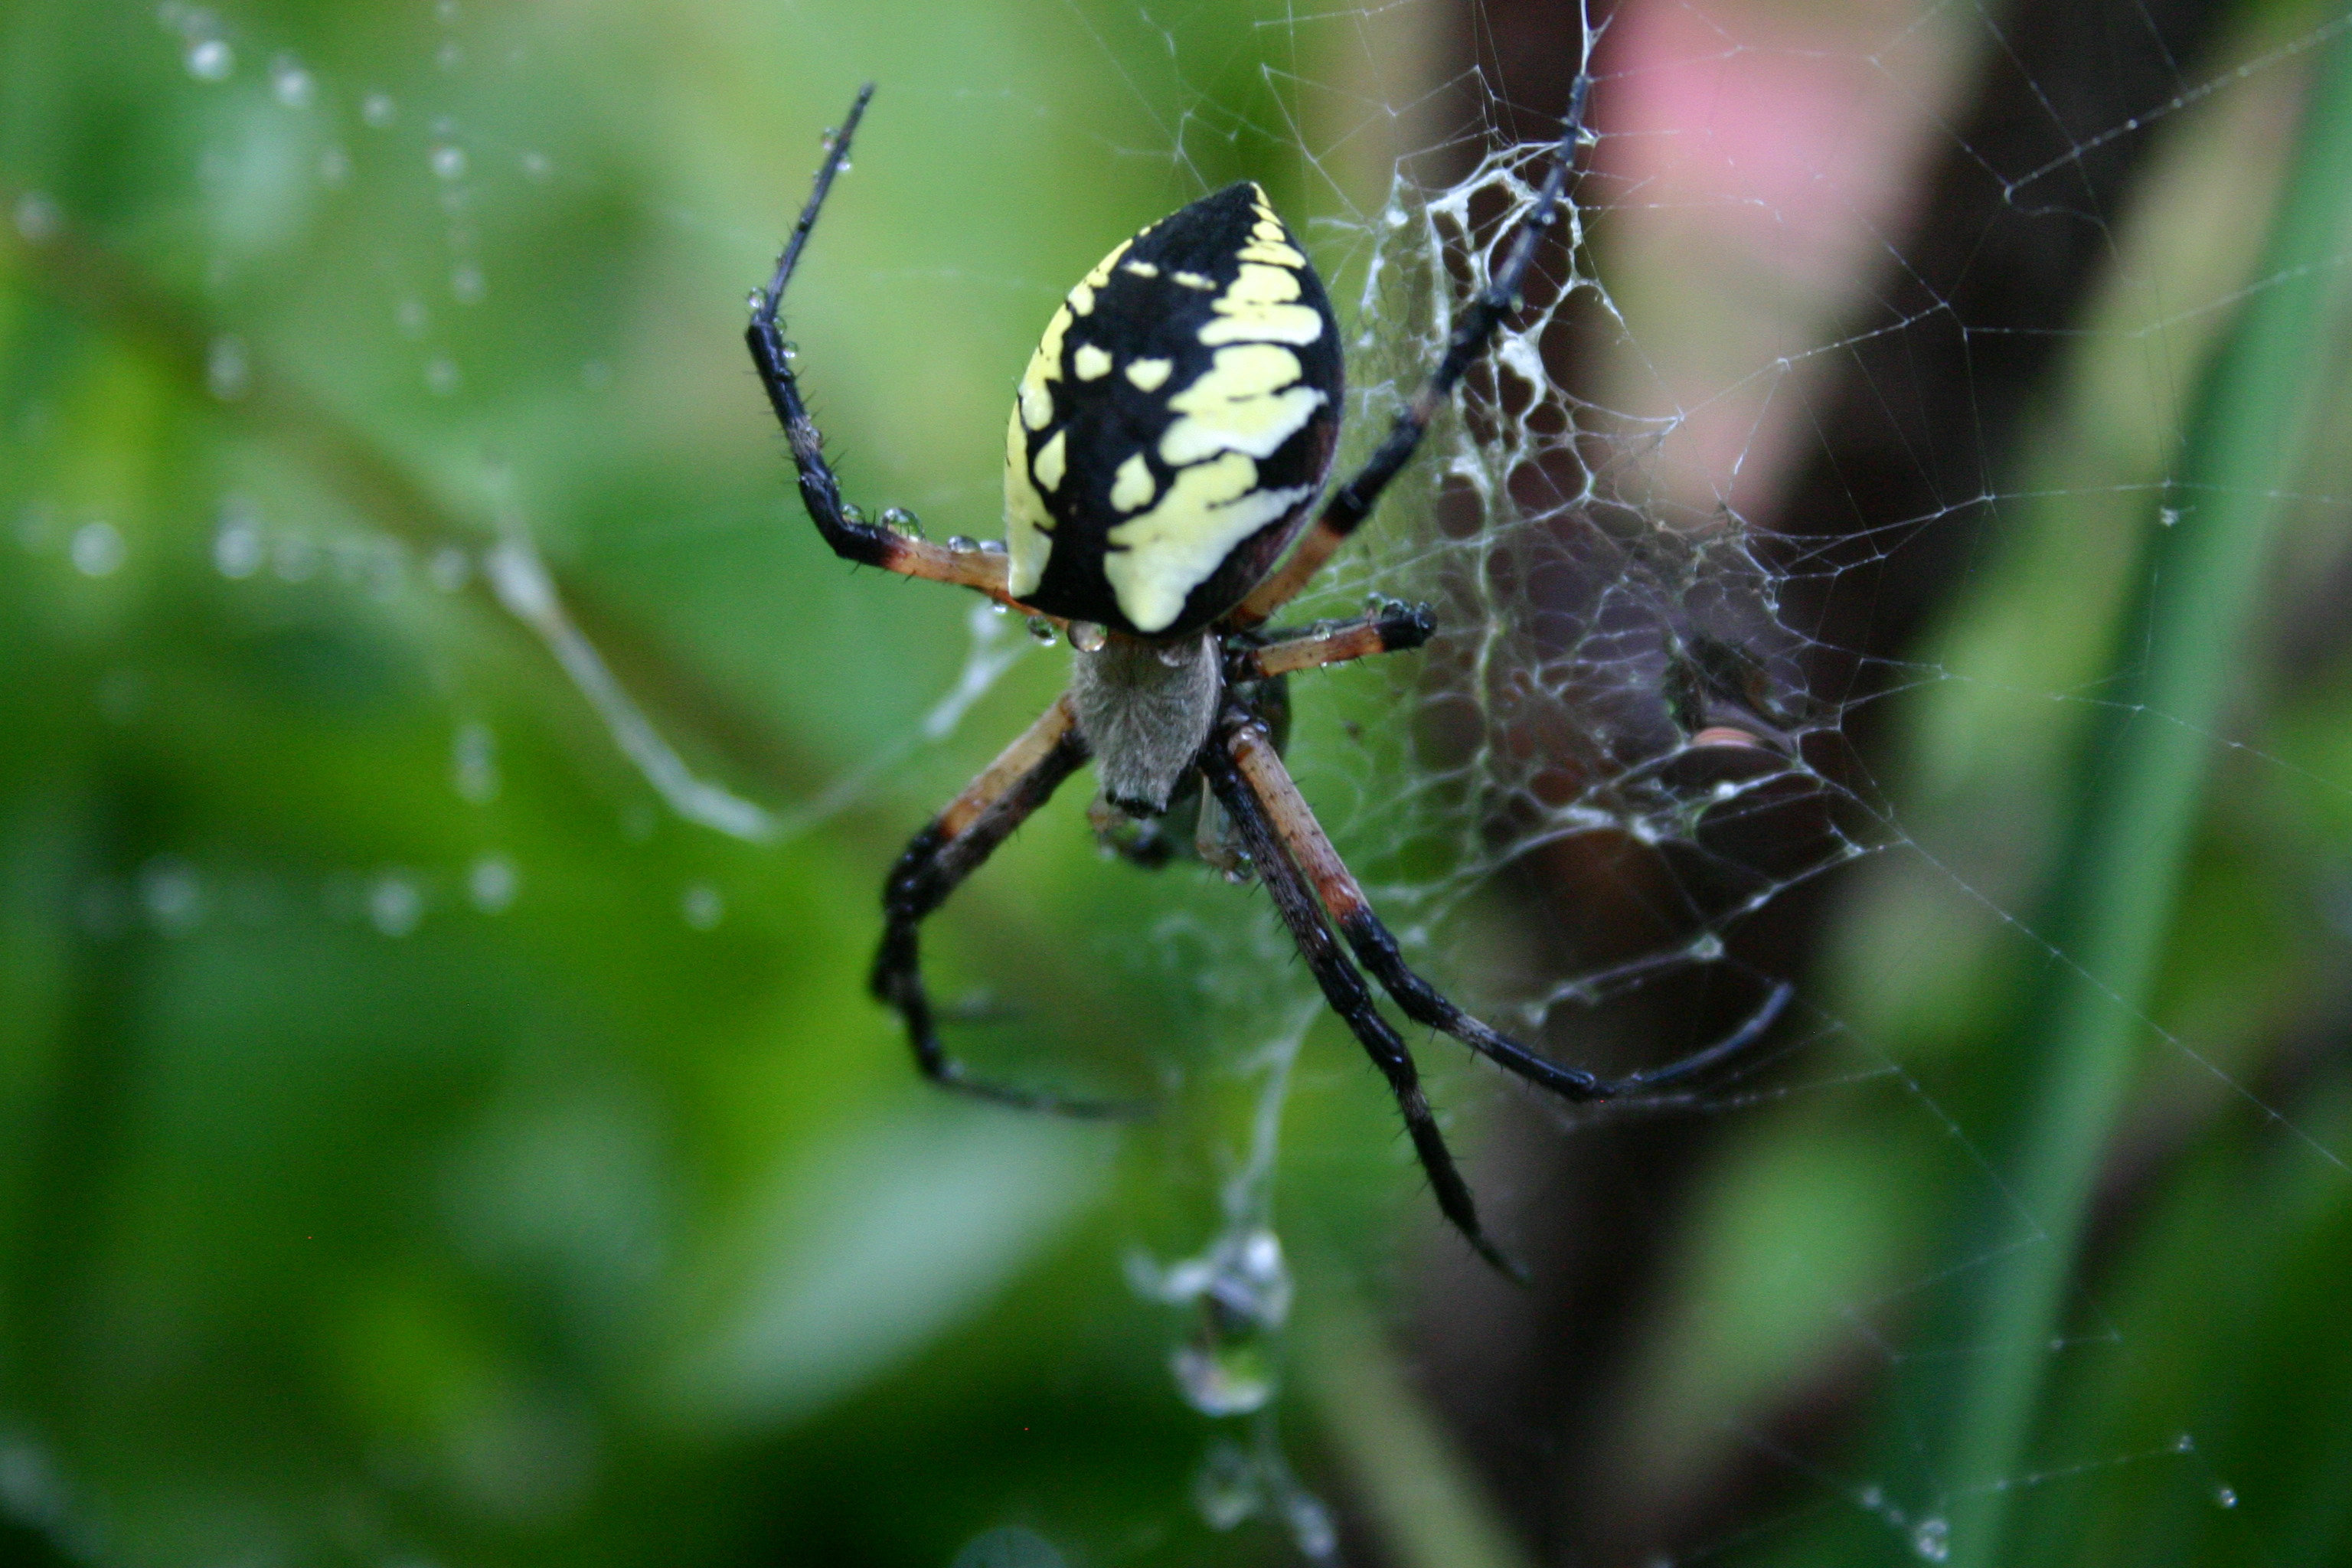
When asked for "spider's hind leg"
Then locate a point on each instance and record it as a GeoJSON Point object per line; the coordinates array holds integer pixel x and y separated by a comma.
{"type": "Point", "coordinates": [1259, 764]}
{"type": "Point", "coordinates": [1022, 778]}
{"type": "Point", "coordinates": [1343, 987]}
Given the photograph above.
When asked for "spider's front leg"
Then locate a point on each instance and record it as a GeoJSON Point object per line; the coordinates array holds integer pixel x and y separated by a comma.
{"type": "Point", "coordinates": [843, 528]}
{"type": "Point", "coordinates": [1023, 778]}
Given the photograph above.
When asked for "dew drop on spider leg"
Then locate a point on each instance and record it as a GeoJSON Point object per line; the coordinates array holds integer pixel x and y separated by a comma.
{"type": "Point", "coordinates": [898, 519]}
{"type": "Point", "coordinates": [962, 544]}
{"type": "Point", "coordinates": [1086, 636]}
{"type": "Point", "coordinates": [1042, 630]}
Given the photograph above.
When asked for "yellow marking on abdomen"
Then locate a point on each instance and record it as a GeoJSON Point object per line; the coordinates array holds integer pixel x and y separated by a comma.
{"type": "Point", "coordinates": [1247, 401]}
{"type": "Point", "coordinates": [1132, 486]}
{"type": "Point", "coordinates": [1158, 559]}
{"type": "Point", "coordinates": [1051, 458]}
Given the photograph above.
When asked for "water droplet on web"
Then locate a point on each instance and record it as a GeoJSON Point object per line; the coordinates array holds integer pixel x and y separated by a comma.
{"type": "Point", "coordinates": [492, 883]}
{"type": "Point", "coordinates": [1041, 630]}
{"type": "Point", "coordinates": [1226, 1489]}
{"type": "Point", "coordinates": [1087, 636]}
{"type": "Point", "coordinates": [36, 217]}
{"type": "Point", "coordinates": [898, 519]}
{"type": "Point", "coordinates": [2184, 1444]}
{"type": "Point", "coordinates": [450, 56]}
{"type": "Point", "coordinates": [172, 895]}
{"type": "Point", "coordinates": [1394, 217]}
{"type": "Point", "coordinates": [442, 376]}
{"type": "Point", "coordinates": [1222, 1378]}
{"type": "Point", "coordinates": [473, 763]}
{"type": "Point", "coordinates": [378, 110]}
{"type": "Point", "coordinates": [294, 557]}
{"type": "Point", "coordinates": [1311, 1530]}
{"type": "Point", "coordinates": [2167, 516]}
{"type": "Point", "coordinates": [394, 904]}
{"type": "Point", "coordinates": [98, 548]}
{"type": "Point", "coordinates": [289, 83]}
{"type": "Point", "coordinates": [467, 284]}
{"type": "Point", "coordinates": [448, 161]}
{"type": "Point", "coordinates": [1706, 948]}
{"type": "Point", "coordinates": [2225, 1497]}
{"type": "Point", "coordinates": [535, 166]}
{"type": "Point", "coordinates": [237, 544]}
{"type": "Point", "coordinates": [211, 59]}
{"type": "Point", "coordinates": [228, 371]}
{"type": "Point", "coordinates": [1932, 1539]}
{"type": "Point", "coordinates": [702, 906]}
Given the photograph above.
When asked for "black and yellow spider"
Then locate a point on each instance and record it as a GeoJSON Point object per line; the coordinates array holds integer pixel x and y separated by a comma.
{"type": "Point", "coordinates": [1170, 437]}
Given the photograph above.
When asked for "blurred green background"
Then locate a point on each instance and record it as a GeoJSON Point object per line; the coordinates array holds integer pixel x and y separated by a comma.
{"type": "Point", "coordinates": [419, 1144]}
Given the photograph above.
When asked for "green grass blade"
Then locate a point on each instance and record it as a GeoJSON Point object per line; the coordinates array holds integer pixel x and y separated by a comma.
{"type": "Point", "coordinates": [2143, 777]}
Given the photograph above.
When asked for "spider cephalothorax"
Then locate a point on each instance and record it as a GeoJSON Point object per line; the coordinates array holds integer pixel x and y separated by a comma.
{"type": "Point", "coordinates": [1169, 440]}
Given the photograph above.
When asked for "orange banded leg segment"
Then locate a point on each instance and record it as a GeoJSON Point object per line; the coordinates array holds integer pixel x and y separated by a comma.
{"type": "Point", "coordinates": [1396, 628]}
{"type": "Point", "coordinates": [1022, 778]}
{"type": "Point", "coordinates": [1294, 899]}
{"type": "Point", "coordinates": [847, 530]}
{"type": "Point", "coordinates": [1376, 950]}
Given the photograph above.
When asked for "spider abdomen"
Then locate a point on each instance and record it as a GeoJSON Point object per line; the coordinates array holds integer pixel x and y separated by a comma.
{"type": "Point", "coordinates": [1175, 423]}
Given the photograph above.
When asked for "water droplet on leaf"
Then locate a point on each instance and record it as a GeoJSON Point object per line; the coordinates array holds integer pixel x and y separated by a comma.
{"type": "Point", "coordinates": [211, 59]}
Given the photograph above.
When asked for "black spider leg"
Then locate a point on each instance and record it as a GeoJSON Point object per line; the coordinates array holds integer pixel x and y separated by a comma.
{"type": "Point", "coordinates": [1022, 778]}
{"type": "Point", "coordinates": [1310, 849]}
{"type": "Point", "coordinates": [1343, 988]}
{"type": "Point", "coordinates": [1394, 627]}
{"type": "Point", "coordinates": [850, 536]}
{"type": "Point", "coordinates": [1353, 502]}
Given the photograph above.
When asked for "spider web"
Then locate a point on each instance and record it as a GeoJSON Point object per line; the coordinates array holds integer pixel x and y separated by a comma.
{"type": "Point", "coordinates": [1652, 739]}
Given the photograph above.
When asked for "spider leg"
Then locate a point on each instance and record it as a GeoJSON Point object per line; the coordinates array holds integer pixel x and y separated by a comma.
{"type": "Point", "coordinates": [1307, 847]}
{"type": "Point", "coordinates": [1394, 629]}
{"type": "Point", "coordinates": [1022, 778]}
{"type": "Point", "coordinates": [1353, 502]}
{"type": "Point", "coordinates": [1346, 992]}
{"type": "Point", "coordinates": [852, 537]}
